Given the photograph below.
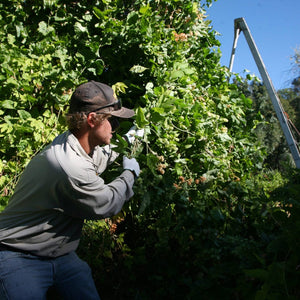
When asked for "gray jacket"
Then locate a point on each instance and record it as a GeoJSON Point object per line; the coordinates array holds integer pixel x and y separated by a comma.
{"type": "Point", "coordinates": [58, 189]}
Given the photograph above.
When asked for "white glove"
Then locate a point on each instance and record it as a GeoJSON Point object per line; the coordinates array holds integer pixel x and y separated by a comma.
{"type": "Point", "coordinates": [132, 165]}
{"type": "Point", "coordinates": [132, 133]}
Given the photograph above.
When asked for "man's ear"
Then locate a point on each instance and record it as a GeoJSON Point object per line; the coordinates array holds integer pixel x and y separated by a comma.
{"type": "Point", "coordinates": [91, 119]}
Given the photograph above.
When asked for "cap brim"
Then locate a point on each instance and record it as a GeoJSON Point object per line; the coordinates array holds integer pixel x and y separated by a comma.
{"type": "Point", "coordinates": [123, 113]}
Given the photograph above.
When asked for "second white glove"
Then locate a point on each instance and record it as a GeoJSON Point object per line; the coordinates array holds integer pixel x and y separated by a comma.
{"type": "Point", "coordinates": [132, 165]}
{"type": "Point", "coordinates": [132, 133]}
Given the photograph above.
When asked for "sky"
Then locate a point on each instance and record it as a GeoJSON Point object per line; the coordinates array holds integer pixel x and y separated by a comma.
{"type": "Point", "coordinates": [275, 28]}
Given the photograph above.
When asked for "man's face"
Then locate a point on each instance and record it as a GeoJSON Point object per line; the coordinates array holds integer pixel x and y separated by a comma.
{"type": "Point", "coordinates": [101, 134]}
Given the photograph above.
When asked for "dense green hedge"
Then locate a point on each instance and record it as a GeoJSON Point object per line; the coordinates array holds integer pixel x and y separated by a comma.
{"type": "Point", "coordinates": [207, 220]}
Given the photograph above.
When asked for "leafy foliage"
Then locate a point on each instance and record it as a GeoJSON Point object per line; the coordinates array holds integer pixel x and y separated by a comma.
{"type": "Point", "coordinates": [205, 213]}
{"type": "Point", "coordinates": [269, 132]}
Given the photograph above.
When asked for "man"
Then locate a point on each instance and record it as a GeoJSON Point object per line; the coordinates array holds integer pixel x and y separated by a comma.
{"type": "Point", "coordinates": [41, 225]}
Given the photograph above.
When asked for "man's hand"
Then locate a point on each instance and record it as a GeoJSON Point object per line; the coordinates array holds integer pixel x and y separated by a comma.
{"type": "Point", "coordinates": [132, 133]}
{"type": "Point", "coordinates": [132, 165]}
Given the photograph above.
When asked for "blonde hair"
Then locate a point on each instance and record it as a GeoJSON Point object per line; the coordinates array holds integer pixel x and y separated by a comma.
{"type": "Point", "coordinates": [77, 121]}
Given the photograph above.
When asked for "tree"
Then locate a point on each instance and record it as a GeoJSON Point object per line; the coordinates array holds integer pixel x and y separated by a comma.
{"type": "Point", "coordinates": [296, 70]}
{"type": "Point", "coordinates": [295, 100]}
{"type": "Point", "coordinates": [269, 132]}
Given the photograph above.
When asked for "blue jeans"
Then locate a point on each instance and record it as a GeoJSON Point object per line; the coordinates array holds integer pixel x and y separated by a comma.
{"type": "Point", "coordinates": [25, 276]}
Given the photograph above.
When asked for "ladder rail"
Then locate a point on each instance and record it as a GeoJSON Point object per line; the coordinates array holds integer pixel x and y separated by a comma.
{"type": "Point", "coordinates": [237, 32]}
{"type": "Point", "coordinates": [241, 25]}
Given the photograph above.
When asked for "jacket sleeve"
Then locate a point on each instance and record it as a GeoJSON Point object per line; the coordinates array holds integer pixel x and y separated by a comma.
{"type": "Point", "coordinates": [95, 199]}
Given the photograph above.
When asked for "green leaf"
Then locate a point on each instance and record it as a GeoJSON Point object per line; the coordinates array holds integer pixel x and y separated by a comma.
{"type": "Point", "coordinates": [157, 117]}
{"type": "Point", "coordinates": [44, 29]}
{"type": "Point", "coordinates": [99, 63]}
{"type": "Point", "coordinates": [98, 13]}
{"type": "Point", "coordinates": [23, 114]}
{"type": "Point", "coordinates": [11, 39]}
{"type": "Point", "coordinates": [119, 87]}
{"type": "Point", "coordinates": [8, 104]}
{"type": "Point", "coordinates": [176, 74]}
{"type": "Point", "coordinates": [224, 137]}
{"type": "Point", "coordinates": [159, 110]}
{"type": "Point", "coordinates": [79, 28]}
{"type": "Point", "coordinates": [248, 101]}
{"type": "Point", "coordinates": [12, 81]}
{"type": "Point", "coordinates": [120, 144]}
{"type": "Point", "coordinates": [137, 69]}
{"type": "Point", "coordinates": [144, 9]}
{"type": "Point", "coordinates": [141, 121]}
{"type": "Point", "coordinates": [132, 17]}
{"type": "Point", "coordinates": [49, 3]}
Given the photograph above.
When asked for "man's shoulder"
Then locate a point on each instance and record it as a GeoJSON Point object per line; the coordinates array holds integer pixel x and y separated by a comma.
{"type": "Point", "coordinates": [67, 152]}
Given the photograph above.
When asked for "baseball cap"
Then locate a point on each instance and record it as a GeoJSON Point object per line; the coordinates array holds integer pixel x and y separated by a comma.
{"type": "Point", "coordinates": [97, 97]}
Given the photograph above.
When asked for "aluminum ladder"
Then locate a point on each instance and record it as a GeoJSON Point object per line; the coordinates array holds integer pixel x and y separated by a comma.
{"type": "Point", "coordinates": [241, 25]}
